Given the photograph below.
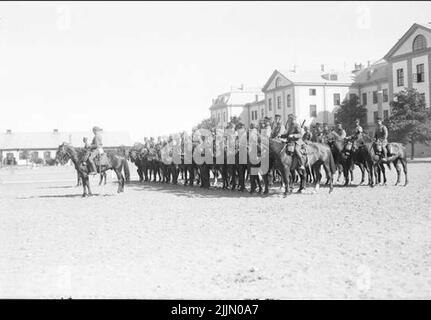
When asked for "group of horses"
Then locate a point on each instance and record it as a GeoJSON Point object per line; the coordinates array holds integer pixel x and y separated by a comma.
{"type": "Point", "coordinates": [335, 154]}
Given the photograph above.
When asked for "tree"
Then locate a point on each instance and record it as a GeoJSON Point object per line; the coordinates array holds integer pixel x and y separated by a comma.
{"type": "Point", "coordinates": [349, 111]}
{"type": "Point", "coordinates": [209, 124]}
{"type": "Point", "coordinates": [410, 119]}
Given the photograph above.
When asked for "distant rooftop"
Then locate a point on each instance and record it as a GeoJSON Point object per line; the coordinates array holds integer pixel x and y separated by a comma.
{"type": "Point", "coordinates": [51, 140]}
{"type": "Point", "coordinates": [317, 76]}
{"type": "Point", "coordinates": [376, 71]}
{"type": "Point", "coordinates": [238, 97]}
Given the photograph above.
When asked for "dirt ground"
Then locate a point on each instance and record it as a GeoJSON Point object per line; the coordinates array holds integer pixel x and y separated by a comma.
{"type": "Point", "coordinates": [162, 241]}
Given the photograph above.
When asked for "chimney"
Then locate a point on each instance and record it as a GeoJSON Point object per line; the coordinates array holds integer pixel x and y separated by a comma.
{"type": "Point", "coordinates": [8, 131]}
{"type": "Point", "coordinates": [368, 63]}
{"type": "Point", "coordinates": [256, 97]}
{"type": "Point", "coordinates": [322, 67]}
{"type": "Point", "coordinates": [55, 131]}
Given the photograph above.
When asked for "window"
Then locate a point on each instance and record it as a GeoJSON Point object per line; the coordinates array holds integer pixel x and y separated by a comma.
{"type": "Point", "coordinates": [312, 92]}
{"type": "Point", "coordinates": [23, 155]}
{"type": "Point", "coordinates": [364, 98]}
{"type": "Point", "coordinates": [385, 95]}
{"type": "Point", "coordinates": [278, 102]}
{"type": "Point", "coordinates": [270, 104]}
{"type": "Point", "coordinates": [313, 111]}
{"type": "Point", "coordinates": [262, 113]}
{"type": "Point", "coordinates": [47, 155]}
{"type": "Point", "coordinates": [400, 77]}
{"type": "Point", "coordinates": [288, 102]}
{"type": "Point", "coordinates": [34, 156]}
{"type": "Point", "coordinates": [375, 97]}
{"type": "Point", "coordinates": [419, 43]}
{"type": "Point", "coordinates": [224, 116]}
{"type": "Point", "coordinates": [376, 115]}
{"type": "Point", "coordinates": [337, 99]}
{"type": "Point", "coordinates": [333, 77]}
{"type": "Point", "coordinates": [385, 114]}
{"type": "Point", "coordinates": [420, 73]}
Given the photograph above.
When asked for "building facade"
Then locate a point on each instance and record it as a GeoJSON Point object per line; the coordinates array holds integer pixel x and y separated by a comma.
{"type": "Point", "coordinates": [233, 104]}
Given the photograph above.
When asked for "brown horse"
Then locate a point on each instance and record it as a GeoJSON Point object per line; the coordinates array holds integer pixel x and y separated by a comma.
{"type": "Point", "coordinates": [317, 154]}
{"type": "Point", "coordinates": [79, 156]}
{"type": "Point", "coordinates": [396, 155]}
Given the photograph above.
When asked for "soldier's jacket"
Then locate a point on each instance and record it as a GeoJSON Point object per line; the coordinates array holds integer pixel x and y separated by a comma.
{"type": "Point", "coordinates": [381, 133]}
{"type": "Point", "coordinates": [341, 133]}
{"type": "Point", "coordinates": [97, 141]}
{"type": "Point", "coordinates": [294, 131]}
{"type": "Point", "coordinates": [358, 130]}
{"type": "Point", "coordinates": [278, 130]}
{"type": "Point", "coordinates": [306, 136]}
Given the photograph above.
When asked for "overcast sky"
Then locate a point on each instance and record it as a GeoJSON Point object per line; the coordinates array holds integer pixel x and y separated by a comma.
{"type": "Point", "coordinates": [153, 68]}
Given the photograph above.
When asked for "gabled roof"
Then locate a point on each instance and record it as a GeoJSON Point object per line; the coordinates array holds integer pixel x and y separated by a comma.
{"type": "Point", "coordinates": [376, 71]}
{"type": "Point", "coordinates": [51, 140]}
{"type": "Point", "coordinates": [424, 26]}
{"type": "Point", "coordinates": [237, 97]}
{"type": "Point", "coordinates": [310, 76]}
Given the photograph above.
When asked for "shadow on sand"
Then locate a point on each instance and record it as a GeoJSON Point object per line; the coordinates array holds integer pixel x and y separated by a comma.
{"type": "Point", "coordinates": [65, 196]}
{"type": "Point", "coordinates": [217, 192]}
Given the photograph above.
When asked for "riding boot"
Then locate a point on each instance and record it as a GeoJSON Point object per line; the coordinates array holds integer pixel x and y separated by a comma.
{"type": "Point", "coordinates": [93, 170]}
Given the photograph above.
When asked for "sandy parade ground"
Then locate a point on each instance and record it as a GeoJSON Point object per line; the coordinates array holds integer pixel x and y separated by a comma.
{"type": "Point", "coordinates": [166, 241]}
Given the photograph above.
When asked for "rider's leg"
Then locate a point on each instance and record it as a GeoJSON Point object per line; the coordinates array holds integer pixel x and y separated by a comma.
{"type": "Point", "coordinates": [93, 169]}
{"type": "Point", "coordinates": [299, 156]}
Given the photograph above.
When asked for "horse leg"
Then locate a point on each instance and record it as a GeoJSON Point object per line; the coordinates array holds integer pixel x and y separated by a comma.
{"type": "Point", "coordinates": [120, 180]}
{"type": "Point", "coordinates": [398, 169]}
{"type": "Point", "coordinates": [384, 174]}
{"type": "Point", "coordinates": [404, 164]}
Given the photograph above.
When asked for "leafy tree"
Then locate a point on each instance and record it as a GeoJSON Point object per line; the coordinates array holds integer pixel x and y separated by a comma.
{"type": "Point", "coordinates": [410, 119]}
{"type": "Point", "coordinates": [209, 124]}
{"type": "Point", "coordinates": [349, 111]}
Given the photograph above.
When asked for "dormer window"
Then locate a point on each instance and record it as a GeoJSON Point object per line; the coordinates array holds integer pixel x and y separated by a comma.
{"type": "Point", "coordinates": [419, 43]}
{"type": "Point", "coordinates": [333, 77]}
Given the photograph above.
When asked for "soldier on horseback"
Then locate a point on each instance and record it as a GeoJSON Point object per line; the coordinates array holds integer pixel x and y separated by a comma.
{"type": "Point", "coordinates": [294, 133]}
{"type": "Point", "coordinates": [95, 149]}
{"type": "Point", "coordinates": [381, 136]}
{"type": "Point", "coordinates": [278, 128]}
{"type": "Point", "coordinates": [318, 133]}
{"type": "Point", "coordinates": [340, 131]}
{"type": "Point", "coordinates": [306, 137]}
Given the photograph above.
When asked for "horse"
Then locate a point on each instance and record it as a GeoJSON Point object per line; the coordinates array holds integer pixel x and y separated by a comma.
{"type": "Point", "coordinates": [79, 157]}
{"type": "Point", "coordinates": [343, 161]}
{"type": "Point", "coordinates": [318, 155]}
{"type": "Point", "coordinates": [397, 155]}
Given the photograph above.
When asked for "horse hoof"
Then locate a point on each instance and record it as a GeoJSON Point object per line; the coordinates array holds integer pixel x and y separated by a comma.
{"type": "Point", "coordinates": [300, 191]}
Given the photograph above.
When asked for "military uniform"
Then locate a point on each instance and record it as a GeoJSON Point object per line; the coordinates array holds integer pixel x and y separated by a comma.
{"type": "Point", "coordinates": [277, 130]}
{"type": "Point", "coordinates": [96, 149]}
{"type": "Point", "coordinates": [341, 132]}
{"type": "Point", "coordinates": [295, 133]}
{"type": "Point", "coordinates": [381, 134]}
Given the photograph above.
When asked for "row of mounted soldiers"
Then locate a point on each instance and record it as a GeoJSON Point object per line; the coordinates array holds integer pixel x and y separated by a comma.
{"type": "Point", "coordinates": [148, 159]}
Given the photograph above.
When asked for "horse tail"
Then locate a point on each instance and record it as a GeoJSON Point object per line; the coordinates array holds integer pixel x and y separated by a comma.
{"type": "Point", "coordinates": [125, 166]}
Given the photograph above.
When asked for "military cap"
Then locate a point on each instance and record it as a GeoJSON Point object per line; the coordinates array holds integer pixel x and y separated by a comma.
{"type": "Point", "coordinates": [277, 116]}
{"type": "Point", "coordinates": [96, 128]}
{"type": "Point", "coordinates": [379, 118]}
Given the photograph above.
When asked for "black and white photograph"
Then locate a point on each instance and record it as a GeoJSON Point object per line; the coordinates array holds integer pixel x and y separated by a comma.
{"type": "Point", "coordinates": [215, 150]}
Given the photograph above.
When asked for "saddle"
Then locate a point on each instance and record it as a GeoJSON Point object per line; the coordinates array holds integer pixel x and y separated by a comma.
{"type": "Point", "coordinates": [101, 160]}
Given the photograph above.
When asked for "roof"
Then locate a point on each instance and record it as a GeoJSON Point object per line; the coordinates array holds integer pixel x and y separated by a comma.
{"type": "Point", "coordinates": [375, 72]}
{"type": "Point", "coordinates": [311, 76]}
{"type": "Point", "coordinates": [426, 26]}
{"type": "Point", "coordinates": [51, 140]}
{"type": "Point", "coordinates": [316, 76]}
{"type": "Point", "coordinates": [237, 97]}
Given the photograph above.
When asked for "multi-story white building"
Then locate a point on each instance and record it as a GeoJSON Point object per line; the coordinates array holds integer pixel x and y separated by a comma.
{"type": "Point", "coordinates": [409, 62]}
{"type": "Point", "coordinates": [312, 96]}
{"type": "Point", "coordinates": [233, 104]}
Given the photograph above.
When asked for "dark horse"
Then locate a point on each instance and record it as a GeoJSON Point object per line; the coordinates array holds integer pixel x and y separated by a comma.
{"type": "Point", "coordinates": [317, 154]}
{"type": "Point", "coordinates": [79, 156]}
